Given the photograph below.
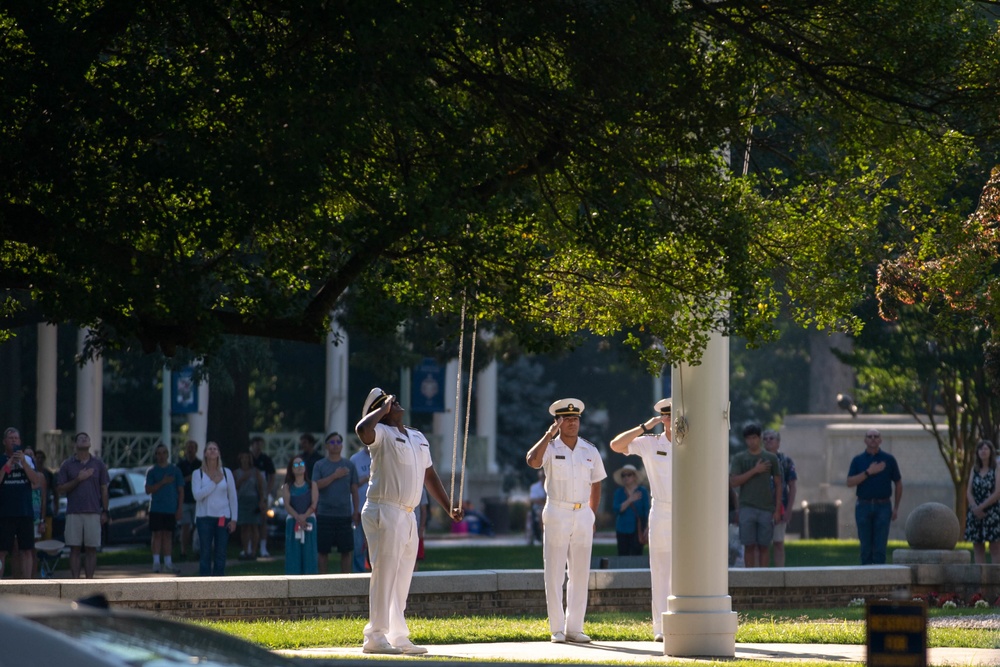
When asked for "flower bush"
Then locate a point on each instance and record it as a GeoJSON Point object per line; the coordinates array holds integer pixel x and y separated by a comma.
{"type": "Point", "coordinates": [856, 602]}
{"type": "Point", "coordinates": [981, 604]}
{"type": "Point", "coordinates": [949, 600]}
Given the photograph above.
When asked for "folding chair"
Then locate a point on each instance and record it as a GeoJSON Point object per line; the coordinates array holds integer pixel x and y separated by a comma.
{"type": "Point", "coordinates": [50, 552]}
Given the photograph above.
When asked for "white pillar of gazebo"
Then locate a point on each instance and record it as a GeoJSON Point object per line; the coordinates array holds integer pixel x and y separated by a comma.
{"type": "Point", "coordinates": [486, 413]}
{"type": "Point", "coordinates": [336, 417]}
{"type": "Point", "coordinates": [90, 397]}
{"type": "Point", "coordinates": [166, 424]}
{"type": "Point", "coordinates": [198, 421]}
{"type": "Point", "coordinates": [45, 393]}
{"type": "Point", "coordinates": [699, 620]}
{"type": "Point", "coordinates": [444, 422]}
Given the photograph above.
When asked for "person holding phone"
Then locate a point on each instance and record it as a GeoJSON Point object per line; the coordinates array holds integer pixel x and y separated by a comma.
{"type": "Point", "coordinates": [17, 513]}
{"type": "Point", "coordinates": [216, 510]}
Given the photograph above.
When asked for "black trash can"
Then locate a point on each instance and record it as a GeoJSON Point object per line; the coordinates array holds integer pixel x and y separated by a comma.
{"type": "Point", "coordinates": [498, 513]}
{"type": "Point", "coordinates": [823, 521]}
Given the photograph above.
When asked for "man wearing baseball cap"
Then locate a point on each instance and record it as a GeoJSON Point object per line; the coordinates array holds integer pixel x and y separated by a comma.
{"type": "Point", "coordinates": [401, 467]}
{"type": "Point", "coordinates": [657, 453]}
{"type": "Point", "coordinates": [573, 474]}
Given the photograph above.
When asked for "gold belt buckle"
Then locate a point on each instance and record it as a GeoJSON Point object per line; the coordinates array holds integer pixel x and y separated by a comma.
{"type": "Point", "coordinates": [408, 509]}
{"type": "Point", "coordinates": [577, 506]}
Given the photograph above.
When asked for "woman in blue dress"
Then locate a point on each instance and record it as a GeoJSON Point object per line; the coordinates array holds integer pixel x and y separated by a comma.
{"type": "Point", "coordinates": [631, 505]}
{"type": "Point", "coordinates": [982, 523]}
{"type": "Point", "coordinates": [300, 495]}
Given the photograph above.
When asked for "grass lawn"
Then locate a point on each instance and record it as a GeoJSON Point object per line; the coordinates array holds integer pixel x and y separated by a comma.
{"type": "Point", "coordinates": [803, 626]}
{"type": "Point", "coordinates": [798, 553]}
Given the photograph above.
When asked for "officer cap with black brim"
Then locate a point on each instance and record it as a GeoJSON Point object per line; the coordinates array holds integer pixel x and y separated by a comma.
{"type": "Point", "coordinates": [566, 407]}
{"type": "Point", "coordinates": [664, 406]}
{"type": "Point", "coordinates": [376, 397]}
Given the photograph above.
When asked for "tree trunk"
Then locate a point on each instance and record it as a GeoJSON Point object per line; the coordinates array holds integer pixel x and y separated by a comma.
{"type": "Point", "coordinates": [229, 418]}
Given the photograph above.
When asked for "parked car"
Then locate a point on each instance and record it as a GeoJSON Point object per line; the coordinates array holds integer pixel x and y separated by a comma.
{"type": "Point", "coordinates": [49, 631]}
{"type": "Point", "coordinates": [128, 507]}
{"type": "Point", "coordinates": [276, 515]}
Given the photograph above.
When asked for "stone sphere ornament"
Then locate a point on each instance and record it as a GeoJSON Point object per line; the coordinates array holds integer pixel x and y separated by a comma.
{"type": "Point", "coordinates": [932, 526]}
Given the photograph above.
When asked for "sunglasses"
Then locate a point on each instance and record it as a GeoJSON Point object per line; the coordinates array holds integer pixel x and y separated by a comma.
{"type": "Point", "coordinates": [334, 442]}
{"type": "Point", "coordinates": [299, 464]}
{"type": "Point", "coordinates": [628, 474]}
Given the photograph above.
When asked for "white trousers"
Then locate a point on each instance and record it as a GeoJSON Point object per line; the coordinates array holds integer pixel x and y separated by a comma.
{"type": "Point", "coordinates": [392, 549]}
{"type": "Point", "coordinates": [566, 544]}
{"type": "Point", "coordinates": [659, 560]}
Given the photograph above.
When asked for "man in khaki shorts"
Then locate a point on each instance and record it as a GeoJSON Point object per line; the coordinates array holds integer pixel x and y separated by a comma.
{"type": "Point", "coordinates": [83, 480]}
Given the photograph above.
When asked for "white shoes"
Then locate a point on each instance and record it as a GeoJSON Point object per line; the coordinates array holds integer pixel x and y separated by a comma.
{"type": "Point", "coordinates": [658, 637]}
{"type": "Point", "coordinates": [577, 638]}
{"type": "Point", "coordinates": [558, 638]}
{"type": "Point", "coordinates": [409, 648]}
{"type": "Point", "coordinates": [380, 646]}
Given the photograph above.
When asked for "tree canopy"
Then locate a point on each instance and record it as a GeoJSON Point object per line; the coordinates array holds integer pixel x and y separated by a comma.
{"type": "Point", "coordinates": [938, 353]}
{"type": "Point", "coordinates": [172, 172]}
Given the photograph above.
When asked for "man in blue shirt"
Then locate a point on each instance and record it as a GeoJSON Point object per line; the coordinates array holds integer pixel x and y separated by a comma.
{"type": "Point", "coordinates": [337, 479]}
{"type": "Point", "coordinates": [165, 485]}
{"type": "Point", "coordinates": [875, 473]}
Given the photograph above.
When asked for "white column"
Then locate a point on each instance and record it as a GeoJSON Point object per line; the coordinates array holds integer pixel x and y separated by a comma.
{"type": "Point", "coordinates": [165, 403]}
{"type": "Point", "coordinates": [198, 421]}
{"type": "Point", "coordinates": [444, 422]}
{"type": "Point", "coordinates": [700, 620]}
{"type": "Point", "coordinates": [90, 397]}
{"type": "Point", "coordinates": [45, 394]}
{"type": "Point", "coordinates": [336, 417]}
{"type": "Point", "coordinates": [405, 395]}
{"type": "Point", "coordinates": [486, 413]}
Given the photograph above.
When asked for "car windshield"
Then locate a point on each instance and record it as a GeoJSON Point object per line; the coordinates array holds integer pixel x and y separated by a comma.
{"type": "Point", "coordinates": [152, 642]}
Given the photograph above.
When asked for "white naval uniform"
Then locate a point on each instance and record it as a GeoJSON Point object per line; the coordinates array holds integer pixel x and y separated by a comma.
{"type": "Point", "coordinates": [399, 463]}
{"type": "Point", "coordinates": [568, 530]}
{"type": "Point", "coordinates": [658, 459]}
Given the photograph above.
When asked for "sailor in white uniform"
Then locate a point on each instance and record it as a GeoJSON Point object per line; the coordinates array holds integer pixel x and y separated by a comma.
{"type": "Point", "coordinates": [401, 467]}
{"type": "Point", "coordinates": [656, 451]}
{"type": "Point", "coordinates": [573, 474]}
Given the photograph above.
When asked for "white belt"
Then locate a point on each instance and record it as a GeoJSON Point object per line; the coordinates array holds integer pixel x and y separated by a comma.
{"type": "Point", "coordinates": [567, 506]}
{"type": "Point", "coordinates": [405, 508]}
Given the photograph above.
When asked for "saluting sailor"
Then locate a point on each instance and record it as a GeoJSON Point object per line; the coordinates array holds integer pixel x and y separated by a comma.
{"type": "Point", "coordinates": [573, 474]}
{"type": "Point", "coordinates": [401, 467]}
{"type": "Point", "coordinates": [656, 451]}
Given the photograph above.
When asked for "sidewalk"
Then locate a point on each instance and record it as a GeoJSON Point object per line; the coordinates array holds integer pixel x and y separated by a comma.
{"type": "Point", "coordinates": [640, 652]}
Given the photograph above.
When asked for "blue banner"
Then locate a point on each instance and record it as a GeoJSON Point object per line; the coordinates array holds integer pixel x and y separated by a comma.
{"type": "Point", "coordinates": [428, 387]}
{"type": "Point", "coordinates": [183, 391]}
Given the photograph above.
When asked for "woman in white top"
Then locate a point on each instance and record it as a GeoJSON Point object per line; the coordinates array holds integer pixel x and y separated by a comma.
{"type": "Point", "coordinates": [216, 510]}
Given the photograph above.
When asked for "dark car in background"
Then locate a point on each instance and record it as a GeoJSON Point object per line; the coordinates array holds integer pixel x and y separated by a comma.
{"type": "Point", "coordinates": [128, 507]}
{"type": "Point", "coordinates": [47, 631]}
{"type": "Point", "coordinates": [276, 516]}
